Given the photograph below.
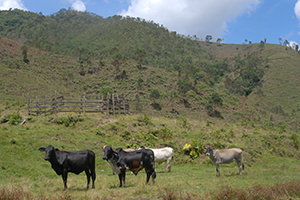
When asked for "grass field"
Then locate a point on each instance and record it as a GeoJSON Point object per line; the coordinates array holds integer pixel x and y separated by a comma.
{"type": "Point", "coordinates": [271, 158]}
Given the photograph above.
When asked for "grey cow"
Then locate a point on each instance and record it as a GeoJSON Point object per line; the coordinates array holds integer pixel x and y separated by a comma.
{"type": "Point", "coordinates": [225, 156]}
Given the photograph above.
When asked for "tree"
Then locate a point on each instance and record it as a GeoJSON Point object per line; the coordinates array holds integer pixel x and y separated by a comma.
{"type": "Point", "coordinates": [280, 40]}
{"type": "Point", "coordinates": [219, 40]}
{"type": "Point", "coordinates": [140, 81]}
{"type": "Point", "coordinates": [208, 38]}
{"type": "Point", "coordinates": [118, 59]}
{"type": "Point", "coordinates": [24, 53]}
{"type": "Point", "coordinates": [140, 53]}
{"type": "Point", "coordinates": [154, 93]}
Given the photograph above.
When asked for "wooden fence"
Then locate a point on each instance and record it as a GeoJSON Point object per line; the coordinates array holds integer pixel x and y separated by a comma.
{"type": "Point", "coordinates": [112, 104]}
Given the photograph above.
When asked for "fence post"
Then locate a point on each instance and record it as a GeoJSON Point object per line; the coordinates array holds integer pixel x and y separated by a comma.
{"type": "Point", "coordinates": [37, 105]}
{"type": "Point", "coordinates": [113, 103]}
{"type": "Point", "coordinates": [107, 104]}
{"type": "Point", "coordinates": [119, 105]}
{"type": "Point", "coordinates": [84, 104]}
{"type": "Point", "coordinates": [124, 108]}
{"type": "Point", "coordinates": [55, 103]}
{"type": "Point", "coordinates": [28, 104]}
{"type": "Point", "coordinates": [102, 104]}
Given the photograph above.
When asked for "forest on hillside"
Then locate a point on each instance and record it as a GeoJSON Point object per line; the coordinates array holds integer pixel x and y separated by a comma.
{"type": "Point", "coordinates": [91, 38]}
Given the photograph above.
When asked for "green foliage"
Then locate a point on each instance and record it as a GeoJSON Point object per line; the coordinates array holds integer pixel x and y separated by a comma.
{"type": "Point", "coordinates": [144, 120]}
{"type": "Point", "coordinates": [126, 135]}
{"type": "Point", "coordinates": [154, 93]}
{"type": "Point", "coordinates": [295, 139]}
{"type": "Point", "coordinates": [194, 149]}
{"type": "Point", "coordinates": [100, 133]}
{"type": "Point", "coordinates": [30, 118]}
{"type": "Point", "coordinates": [183, 86]}
{"type": "Point", "coordinates": [184, 121]}
{"type": "Point", "coordinates": [104, 91]}
{"type": "Point", "coordinates": [15, 118]}
{"type": "Point", "coordinates": [165, 134]}
{"type": "Point", "coordinates": [68, 121]}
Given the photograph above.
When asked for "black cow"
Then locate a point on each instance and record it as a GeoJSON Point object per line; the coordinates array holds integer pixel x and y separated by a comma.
{"type": "Point", "coordinates": [122, 161]}
{"type": "Point", "coordinates": [76, 162]}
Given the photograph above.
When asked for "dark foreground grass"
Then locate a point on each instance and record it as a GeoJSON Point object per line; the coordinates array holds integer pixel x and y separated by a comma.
{"type": "Point", "coordinates": [286, 190]}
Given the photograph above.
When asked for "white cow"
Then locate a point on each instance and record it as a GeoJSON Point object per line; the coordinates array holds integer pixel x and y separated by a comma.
{"type": "Point", "coordinates": [225, 156]}
{"type": "Point", "coordinates": [163, 155]}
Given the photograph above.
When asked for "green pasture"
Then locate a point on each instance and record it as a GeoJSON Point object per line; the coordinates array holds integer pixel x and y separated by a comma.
{"type": "Point", "coordinates": [271, 157]}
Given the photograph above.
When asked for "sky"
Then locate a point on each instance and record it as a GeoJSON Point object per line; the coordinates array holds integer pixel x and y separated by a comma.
{"type": "Point", "coordinates": [233, 21]}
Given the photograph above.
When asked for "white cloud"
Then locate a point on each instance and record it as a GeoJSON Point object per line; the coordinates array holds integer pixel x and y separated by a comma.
{"type": "Point", "coordinates": [293, 45]}
{"type": "Point", "coordinates": [297, 9]}
{"type": "Point", "coordinates": [78, 5]}
{"type": "Point", "coordinates": [190, 17]}
{"type": "Point", "coordinates": [7, 4]}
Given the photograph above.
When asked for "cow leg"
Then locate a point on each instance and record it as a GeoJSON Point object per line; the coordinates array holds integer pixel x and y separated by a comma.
{"type": "Point", "coordinates": [148, 175]}
{"type": "Point", "coordinates": [169, 165]}
{"type": "Point", "coordinates": [153, 176]}
{"type": "Point", "coordinates": [88, 176]}
{"type": "Point", "coordinates": [240, 165]}
{"type": "Point", "coordinates": [65, 177]}
{"type": "Point", "coordinates": [218, 169]}
{"type": "Point", "coordinates": [122, 177]}
{"type": "Point", "coordinates": [93, 173]}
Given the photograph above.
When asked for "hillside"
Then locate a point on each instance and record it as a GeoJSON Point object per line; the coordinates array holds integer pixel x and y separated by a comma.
{"type": "Point", "coordinates": [136, 58]}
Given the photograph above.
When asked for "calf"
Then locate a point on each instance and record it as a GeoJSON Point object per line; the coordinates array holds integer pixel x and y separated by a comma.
{"type": "Point", "coordinates": [63, 162]}
{"type": "Point", "coordinates": [225, 156]}
{"type": "Point", "coordinates": [162, 155]}
{"type": "Point", "coordinates": [122, 161]}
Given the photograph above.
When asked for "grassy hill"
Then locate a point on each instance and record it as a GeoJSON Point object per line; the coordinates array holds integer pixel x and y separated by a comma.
{"type": "Point", "coordinates": [180, 90]}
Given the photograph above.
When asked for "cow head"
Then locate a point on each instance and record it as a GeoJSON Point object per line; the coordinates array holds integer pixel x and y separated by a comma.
{"type": "Point", "coordinates": [51, 154]}
{"type": "Point", "coordinates": [209, 150]}
{"type": "Point", "coordinates": [108, 152]}
{"type": "Point", "coordinates": [50, 151]}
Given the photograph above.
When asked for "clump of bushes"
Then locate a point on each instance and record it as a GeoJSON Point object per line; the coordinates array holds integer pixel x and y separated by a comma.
{"type": "Point", "coordinates": [14, 118]}
{"type": "Point", "coordinates": [68, 121]}
{"type": "Point", "coordinates": [194, 149]}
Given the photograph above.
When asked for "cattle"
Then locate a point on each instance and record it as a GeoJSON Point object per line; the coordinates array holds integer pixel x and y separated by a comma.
{"type": "Point", "coordinates": [127, 150]}
{"type": "Point", "coordinates": [76, 162]}
{"type": "Point", "coordinates": [122, 161]}
{"type": "Point", "coordinates": [162, 155]}
{"type": "Point", "coordinates": [225, 156]}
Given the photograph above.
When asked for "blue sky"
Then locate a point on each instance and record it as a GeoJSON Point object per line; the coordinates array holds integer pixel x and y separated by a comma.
{"type": "Point", "coordinates": [231, 20]}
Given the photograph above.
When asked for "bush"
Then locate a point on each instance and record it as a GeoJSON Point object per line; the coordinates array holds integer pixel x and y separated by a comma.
{"type": "Point", "coordinates": [15, 118]}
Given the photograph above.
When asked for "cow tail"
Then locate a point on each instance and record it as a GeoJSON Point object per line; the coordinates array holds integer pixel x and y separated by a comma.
{"type": "Point", "coordinates": [243, 166]}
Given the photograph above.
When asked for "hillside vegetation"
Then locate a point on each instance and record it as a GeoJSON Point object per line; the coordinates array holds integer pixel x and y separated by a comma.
{"type": "Point", "coordinates": [182, 92]}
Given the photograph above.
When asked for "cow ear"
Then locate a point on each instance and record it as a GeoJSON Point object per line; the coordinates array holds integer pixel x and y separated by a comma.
{"type": "Point", "coordinates": [62, 159]}
{"type": "Point", "coordinates": [42, 149]}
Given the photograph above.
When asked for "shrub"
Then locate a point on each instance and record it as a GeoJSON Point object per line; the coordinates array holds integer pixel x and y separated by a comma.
{"type": "Point", "coordinates": [165, 133]}
{"type": "Point", "coordinates": [145, 120]}
{"type": "Point", "coordinates": [295, 139]}
{"type": "Point", "coordinates": [126, 135]}
{"type": "Point", "coordinates": [154, 93]}
{"type": "Point", "coordinates": [194, 149]}
{"type": "Point", "coordinates": [15, 118]}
